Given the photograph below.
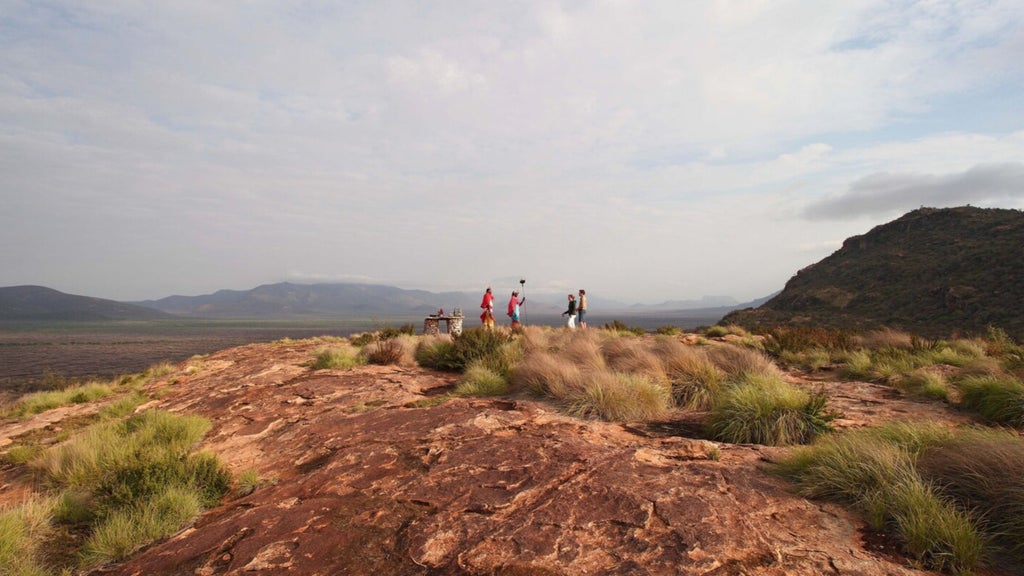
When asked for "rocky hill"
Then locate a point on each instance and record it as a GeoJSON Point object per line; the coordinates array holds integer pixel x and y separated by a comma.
{"type": "Point", "coordinates": [933, 272]}
{"type": "Point", "coordinates": [19, 303]}
{"type": "Point", "coordinates": [367, 478]}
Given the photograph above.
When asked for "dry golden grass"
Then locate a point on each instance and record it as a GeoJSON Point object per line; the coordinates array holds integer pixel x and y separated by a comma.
{"type": "Point", "coordinates": [736, 360]}
{"type": "Point", "coordinates": [633, 356]}
{"type": "Point", "coordinates": [544, 374]}
{"type": "Point", "coordinates": [886, 338]}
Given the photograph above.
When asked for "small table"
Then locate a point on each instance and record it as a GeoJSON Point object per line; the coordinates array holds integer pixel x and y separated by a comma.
{"type": "Point", "coordinates": [452, 325]}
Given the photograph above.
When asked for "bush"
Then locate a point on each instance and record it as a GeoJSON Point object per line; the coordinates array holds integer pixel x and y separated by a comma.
{"type": "Point", "coordinates": [997, 399]}
{"type": "Point", "coordinates": [668, 331]}
{"type": "Point", "coordinates": [764, 409]}
{"type": "Point", "coordinates": [471, 345]}
{"type": "Point", "coordinates": [386, 351]}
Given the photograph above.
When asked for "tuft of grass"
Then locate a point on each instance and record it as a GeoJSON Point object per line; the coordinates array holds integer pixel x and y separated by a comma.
{"type": "Point", "coordinates": [999, 399]}
{"type": "Point", "coordinates": [736, 361]}
{"type": "Point", "coordinates": [479, 380]}
{"type": "Point", "coordinates": [875, 472]}
{"type": "Point", "coordinates": [983, 469]}
{"type": "Point", "coordinates": [39, 402]}
{"type": "Point", "coordinates": [631, 356]}
{"type": "Point", "coordinates": [694, 379]}
{"type": "Point", "coordinates": [933, 529]}
{"type": "Point", "coordinates": [128, 529]}
{"type": "Point", "coordinates": [761, 408]}
{"type": "Point", "coordinates": [338, 358]}
{"type": "Point", "coordinates": [19, 454]}
{"type": "Point", "coordinates": [123, 406]}
{"type": "Point", "coordinates": [544, 374]}
{"type": "Point", "coordinates": [22, 529]}
{"type": "Point", "coordinates": [620, 398]}
{"type": "Point", "coordinates": [886, 338]}
{"type": "Point", "coordinates": [925, 383]}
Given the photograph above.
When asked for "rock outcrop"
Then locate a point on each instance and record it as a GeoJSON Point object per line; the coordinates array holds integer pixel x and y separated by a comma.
{"type": "Point", "coordinates": [366, 482]}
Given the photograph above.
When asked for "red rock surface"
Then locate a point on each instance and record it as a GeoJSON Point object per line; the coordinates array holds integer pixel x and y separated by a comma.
{"type": "Point", "coordinates": [368, 484]}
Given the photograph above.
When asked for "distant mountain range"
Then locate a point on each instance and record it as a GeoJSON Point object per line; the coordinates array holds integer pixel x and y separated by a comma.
{"type": "Point", "coordinates": [40, 303]}
{"type": "Point", "coordinates": [933, 272]}
{"type": "Point", "coordinates": [287, 300]}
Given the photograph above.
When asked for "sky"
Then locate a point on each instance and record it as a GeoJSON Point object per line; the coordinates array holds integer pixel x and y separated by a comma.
{"type": "Point", "coordinates": [645, 151]}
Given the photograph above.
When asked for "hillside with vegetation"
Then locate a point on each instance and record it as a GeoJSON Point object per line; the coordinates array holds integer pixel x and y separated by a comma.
{"type": "Point", "coordinates": [540, 451]}
{"type": "Point", "coordinates": [934, 272]}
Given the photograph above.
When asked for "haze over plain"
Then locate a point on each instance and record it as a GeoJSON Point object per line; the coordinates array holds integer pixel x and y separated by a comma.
{"type": "Point", "coordinates": [644, 151]}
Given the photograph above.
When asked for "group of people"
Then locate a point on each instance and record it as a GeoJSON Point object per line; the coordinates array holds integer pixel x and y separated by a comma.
{"type": "Point", "coordinates": [576, 312]}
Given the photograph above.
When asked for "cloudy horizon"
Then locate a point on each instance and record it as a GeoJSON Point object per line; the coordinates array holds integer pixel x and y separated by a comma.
{"type": "Point", "coordinates": [645, 151]}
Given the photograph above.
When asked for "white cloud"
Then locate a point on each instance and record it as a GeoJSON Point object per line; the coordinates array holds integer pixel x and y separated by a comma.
{"type": "Point", "coordinates": [393, 139]}
{"type": "Point", "coordinates": [883, 194]}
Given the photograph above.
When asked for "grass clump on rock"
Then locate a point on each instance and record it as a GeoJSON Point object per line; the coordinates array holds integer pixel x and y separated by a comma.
{"type": "Point", "coordinates": [337, 358]}
{"type": "Point", "coordinates": [116, 486]}
{"type": "Point", "coordinates": [761, 408]}
{"type": "Point", "coordinates": [953, 497]}
{"type": "Point", "coordinates": [999, 399]}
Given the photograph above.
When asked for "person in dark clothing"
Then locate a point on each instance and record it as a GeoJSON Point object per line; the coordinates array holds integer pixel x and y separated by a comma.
{"type": "Point", "coordinates": [571, 312]}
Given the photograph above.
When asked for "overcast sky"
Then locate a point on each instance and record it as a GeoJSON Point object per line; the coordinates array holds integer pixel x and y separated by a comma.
{"type": "Point", "coordinates": [645, 151]}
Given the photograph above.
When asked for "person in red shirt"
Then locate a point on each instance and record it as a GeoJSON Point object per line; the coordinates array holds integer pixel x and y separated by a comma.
{"type": "Point", "coordinates": [487, 317]}
{"type": "Point", "coordinates": [513, 307]}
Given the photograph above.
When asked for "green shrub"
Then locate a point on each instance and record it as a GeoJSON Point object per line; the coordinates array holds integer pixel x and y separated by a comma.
{"type": "Point", "coordinates": [668, 331]}
{"type": "Point", "coordinates": [764, 409]}
{"type": "Point", "coordinates": [997, 399]}
{"type": "Point", "coordinates": [360, 340]}
{"type": "Point", "coordinates": [454, 356]}
{"type": "Point", "coordinates": [716, 331]}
